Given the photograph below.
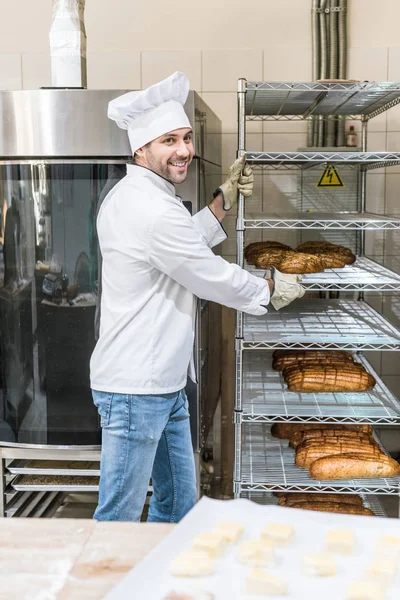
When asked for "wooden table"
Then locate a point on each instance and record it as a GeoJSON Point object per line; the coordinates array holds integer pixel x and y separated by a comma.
{"type": "Point", "coordinates": [70, 559]}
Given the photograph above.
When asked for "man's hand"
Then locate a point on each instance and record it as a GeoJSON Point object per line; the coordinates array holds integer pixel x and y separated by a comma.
{"type": "Point", "coordinates": [286, 288]}
{"type": "Point", "coordinates": [237, 181]}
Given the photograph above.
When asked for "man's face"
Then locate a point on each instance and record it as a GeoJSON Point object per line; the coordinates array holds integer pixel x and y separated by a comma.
{"type": "Point", "coordinates": [169, 155]}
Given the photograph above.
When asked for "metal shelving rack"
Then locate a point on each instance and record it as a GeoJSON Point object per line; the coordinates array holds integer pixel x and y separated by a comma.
{"type": "Point", "coordinates": [364, 275]}
{"type": "Point", "coordinates": [264, 464]}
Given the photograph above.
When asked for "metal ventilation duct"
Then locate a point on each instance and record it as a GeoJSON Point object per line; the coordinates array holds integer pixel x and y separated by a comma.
{"type": "Point", "coordinates": [68, 44]}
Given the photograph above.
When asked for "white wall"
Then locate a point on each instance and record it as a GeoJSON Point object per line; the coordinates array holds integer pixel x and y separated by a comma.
{"type": "Point", "coordinates": [132, 44]}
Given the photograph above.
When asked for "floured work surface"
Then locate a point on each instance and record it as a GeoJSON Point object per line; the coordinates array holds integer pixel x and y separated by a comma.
{"type": "Point", "coordinates": [341, 565]}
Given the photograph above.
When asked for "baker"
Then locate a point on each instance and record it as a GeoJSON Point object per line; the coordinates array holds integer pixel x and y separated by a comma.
{"type": "Point", "coordinates": [157, 260]}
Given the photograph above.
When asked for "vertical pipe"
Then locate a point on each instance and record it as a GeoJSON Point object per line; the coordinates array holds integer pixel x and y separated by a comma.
{"type": "Point", "coordinates": [342, 67]}
{"type": "Point", "coordinates": [324, 40]}
{"type": "Point", "coordinates": [323, 74]}
{"type": "Point", "coordinates": [311, 126]}
{"type": "Point", "coordinates": [342, 31]}
{"type": "Point", "coordinates": [317, 67]}
{"type": "Point", "coordinates": [333, 68]}
{"type": "Point", "coordinates": [333, 40]}
{"type": "Point", "coordinates": [320, 131]}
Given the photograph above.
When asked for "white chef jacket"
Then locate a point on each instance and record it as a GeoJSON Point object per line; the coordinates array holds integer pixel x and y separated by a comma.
{"type": "Point", "coordinates": [156, 261]}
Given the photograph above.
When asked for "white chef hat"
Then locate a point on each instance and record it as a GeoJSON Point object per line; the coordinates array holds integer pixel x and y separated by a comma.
{"type": "Point", "coordinates": [149, 113]}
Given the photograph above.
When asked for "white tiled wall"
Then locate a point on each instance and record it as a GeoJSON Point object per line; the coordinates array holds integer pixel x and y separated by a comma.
{"type": "Point", "coordinates": [134, 44]}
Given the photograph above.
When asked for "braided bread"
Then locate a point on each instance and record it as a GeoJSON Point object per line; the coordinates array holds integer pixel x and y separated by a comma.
{"type": "Point", "coordinates": [299, 262]}
{"type": "Point", "coordinates": [320, 248]}
{"type": "Point", "coordinates": [271, 257]}
{"type": "Point", "coordinates": [252, 250]}
{"type": "Point", "coordinates": [330, 260]}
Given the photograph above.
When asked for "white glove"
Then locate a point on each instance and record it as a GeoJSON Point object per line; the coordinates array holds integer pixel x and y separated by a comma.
{"type": "Point", "coordinates": [286, 288]}
{"type": "Point", "coordinates": [237, 181]}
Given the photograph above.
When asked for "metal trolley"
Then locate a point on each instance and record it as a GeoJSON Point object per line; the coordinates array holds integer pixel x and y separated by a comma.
{"type": "Point", "coordinates": [324, 318]}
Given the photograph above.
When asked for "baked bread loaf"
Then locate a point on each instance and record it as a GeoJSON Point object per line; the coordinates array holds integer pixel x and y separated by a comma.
{"type": "Point", "coordinates": [335, 363]}
{"type": "Point", "coordinates": [264, 245]}
{"type": "Point", "coordinates": [252, 250]}
{"type": "Point", "coordinates": [297, 498]}
{"type": "Point", "coordinates": [283, 358]}
{"type": "Point", "coordinates": [322, 247]}
{"type": "Point", "coordinates": [345, 255]}
{"type": "Point", "coordinates": [335, 507]}
{"type": "Point", "coordinates": [314, 378]}
{"type": "Point", "coordinates": [299, 262]}
{"type": "Point", "coordinates": [317, 245]}
{"type": "Point", "coordinates": [337, 431]}
{"type": "Point", "coordinates": [306, 455]}
{"type": "Point", "coordinates": [354, 466]}
{"type": "Point", "coordinates": [286, 430]}
{"type": "Point", "coordinates": [330, 260]}
{"type": "Point", "coordinates": [271, 257]}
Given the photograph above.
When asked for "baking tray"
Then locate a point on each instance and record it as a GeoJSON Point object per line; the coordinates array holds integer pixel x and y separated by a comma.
{"type": "Point", "coordinates": [228, 582]}
{"type": "Point", "coordinates": [57, 483]}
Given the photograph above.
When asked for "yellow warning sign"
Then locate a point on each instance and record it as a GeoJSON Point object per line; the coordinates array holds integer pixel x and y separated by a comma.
{"type": "Point", "coordinates": [330, 178]}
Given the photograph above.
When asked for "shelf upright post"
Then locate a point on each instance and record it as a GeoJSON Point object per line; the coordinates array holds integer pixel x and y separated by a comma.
{"type": "Point", "coordinates": [240, 212]}
{"type": "Point", "coordinates": [239, 316]}
{"type": "Point", "coordinates": [363, 187]}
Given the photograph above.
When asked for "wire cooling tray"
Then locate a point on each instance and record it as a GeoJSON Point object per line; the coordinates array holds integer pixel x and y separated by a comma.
{"type": "Point", "coordinates": [364, 275]}
{"type": "Point", "coordinates": [268, 465]}
{"type": "Point", "coordinates": [265, 398]}
{"type": "Point", "coordinates": [287, 99]}
{"type": "Point", "coordinates": [333, 324]}
{"type": "Point", "coordinates": [314, 158]}
{"type": "Point", "coordinates": [266, 498]}
{"type": "Point", "coordinates": [315, 220]}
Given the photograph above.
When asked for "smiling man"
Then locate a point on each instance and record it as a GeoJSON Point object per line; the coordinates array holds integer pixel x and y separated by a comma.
{"type": "Point", "coordinates": [169, 155]}
{"type": "Point", "coordinates": [156, 260]}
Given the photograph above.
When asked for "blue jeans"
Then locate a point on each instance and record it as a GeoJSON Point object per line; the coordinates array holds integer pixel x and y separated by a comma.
{"type": "Point", "coordinates": [143, 437]}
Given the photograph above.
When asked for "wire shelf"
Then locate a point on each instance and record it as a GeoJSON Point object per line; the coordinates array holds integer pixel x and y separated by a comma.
{"type": "Point", "coordinates": [269, 99]}
{"type": "Point", "coordinates": [328, 324]}
{"type": "Point", "coordinates": [268, 499]}
{"type": "Point", "coordinates": [266, 398]}
{"type": "Point", "coordinates": [269, 466]}
{"type": "Point", "coordinates": [300, 160]}
{"type": "Point", "coordinates": [365, 275]}
{"type": "Point", "coordinates": [324, 221]}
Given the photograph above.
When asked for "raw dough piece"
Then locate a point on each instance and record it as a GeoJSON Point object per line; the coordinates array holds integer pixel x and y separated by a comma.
{"type": "Point", "coordinates": [384, 569]}
{"type": "Point", "coordinates": [319, 564]}
{"type": "Point", "coordinates": [340, 541]}
{"type": "Point", "coordinates": [365, 590]}
{"type": "Point", "coordinates": [280, 534]}
{"type": "Point", "coordinates": [256, 553]}
{"type": "Point", "coordinates": [213, 544]}
{"type": "Point", "coordinates": [192, 563]}
{"type": "Point", "coordinates": [388, 545]}
{"type": "Point", "coordinates": [199, 595]}
{"type": "Point", "coordinates": [265, 584]}
{"type": "Point", "coordinates": [231, 531]}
